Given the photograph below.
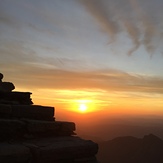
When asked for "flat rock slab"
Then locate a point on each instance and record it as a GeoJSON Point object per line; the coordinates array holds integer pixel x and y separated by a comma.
{"type": "Point", "coordinates": [55, 128]}
{"type": "Point", "coordinates": [62, 149]}
{"type": "Point", "coordinates": [36, 112]}
{"type": "Point", "coordinates": [14, 153]}
{"type": "Point", "coordinates": [25, 128]}
{"type": "Point", "coordinates": [15, 98]}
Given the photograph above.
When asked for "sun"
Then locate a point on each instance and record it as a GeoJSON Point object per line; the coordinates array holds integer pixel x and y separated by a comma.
{"type": "Point", "coordinates": [82, 108]}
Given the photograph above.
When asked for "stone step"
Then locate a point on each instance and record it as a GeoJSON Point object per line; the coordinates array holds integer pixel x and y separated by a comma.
{"type": "Point", "coordinates": [15, 98]}
{"type": "Point", "coordinates": [36, 112]}
{"type": "Point", "coordinates": [45, 128]}
{"type": "Point", "coordinates": [63, 150]}
{"type": "Point", "coordinates": [25, 128]}
{"type": "Point", "coordinates": [49, 150]}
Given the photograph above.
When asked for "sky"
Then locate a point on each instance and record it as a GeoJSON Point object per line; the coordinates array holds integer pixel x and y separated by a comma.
{"type": "Point", "coordinates": [102, 56]}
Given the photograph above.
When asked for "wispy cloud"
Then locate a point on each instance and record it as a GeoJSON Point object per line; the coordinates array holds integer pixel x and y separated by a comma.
{"type": "Point", "coordinates": [110, 80]}
{"type": "Point", "coordinates": [105, 19]}
{"type": "Point", "coordinates": [138, 20]}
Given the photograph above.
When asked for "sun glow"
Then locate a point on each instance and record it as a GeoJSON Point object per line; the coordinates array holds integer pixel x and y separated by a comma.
{"type": "Point", "coordinates": [82, 108]}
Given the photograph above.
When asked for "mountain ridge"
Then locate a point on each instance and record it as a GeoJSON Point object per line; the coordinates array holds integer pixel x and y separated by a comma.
{"type": "Point", "coordinates": [129, 149]}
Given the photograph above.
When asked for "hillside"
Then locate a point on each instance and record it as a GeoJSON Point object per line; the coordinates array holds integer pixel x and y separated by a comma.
{"type": "Point", "coordinates": [130, 149]}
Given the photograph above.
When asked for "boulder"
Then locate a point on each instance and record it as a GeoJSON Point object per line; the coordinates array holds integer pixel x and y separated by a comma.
{"type": "Point", "coordinates": [1, 77]}
{"type": "Point", "coordinates": [6, 86]}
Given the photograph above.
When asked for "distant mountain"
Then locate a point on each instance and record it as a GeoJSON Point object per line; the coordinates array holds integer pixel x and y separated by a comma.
{"type": "Point", "coordinates": [129, 149]}
{"type": "Point", "coordinates": [113, 129]}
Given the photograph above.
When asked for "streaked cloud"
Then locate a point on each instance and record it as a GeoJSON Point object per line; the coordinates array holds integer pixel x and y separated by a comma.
{"type": "Point", "coordinates": [139, 22]}
{"type": "Point", "coordinates": [101, 13]}
{"type": "Point", "coordinates": [39, 76]}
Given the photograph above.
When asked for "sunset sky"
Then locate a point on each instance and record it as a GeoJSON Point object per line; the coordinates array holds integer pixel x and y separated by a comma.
{"type": "Point", "coordinates": [103, 56]}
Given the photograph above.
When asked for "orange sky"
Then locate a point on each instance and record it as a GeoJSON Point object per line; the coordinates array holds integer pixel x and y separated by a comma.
{"type": "Point", "coordinates": [101, 56]}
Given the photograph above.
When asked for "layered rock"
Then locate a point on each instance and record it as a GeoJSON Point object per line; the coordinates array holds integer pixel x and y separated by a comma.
{"type": "Point", "coordinates": [30, 134]}
{"type": "Point", "coordinates": [15, 98]}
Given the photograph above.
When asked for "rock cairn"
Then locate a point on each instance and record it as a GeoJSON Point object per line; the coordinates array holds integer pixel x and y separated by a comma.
{"type": "Point", "coordinates": [30, 134]}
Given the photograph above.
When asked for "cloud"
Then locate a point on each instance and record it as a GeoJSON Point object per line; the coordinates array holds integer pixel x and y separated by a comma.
{"type": "Point", "coordinates": [137, 17]}
{"type": "Point", "coordinates": [110, 80]}
{"type": "Point", "coordinates": [101, 13]}
{"type": "Point", "coordinates": [148, 27]}
{"type": "Point", "coordinates": [16, 52]}
{"type": "Point", "coordinates": [134, 33]}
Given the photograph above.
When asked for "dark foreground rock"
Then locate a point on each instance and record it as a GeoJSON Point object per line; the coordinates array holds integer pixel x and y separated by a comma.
{"type": "Point", "coordinates": [49, 150]}
{"type": "Point", "coordinates": [25, 128]}
{"type": "Point", "coordinates": [15, 98]}
{"type": "Point", "coordinates": [30, 134]}
{"type": "Point", "coordinates": [14, 153]}
{"type": "Point", "coordinates": [35, 112]}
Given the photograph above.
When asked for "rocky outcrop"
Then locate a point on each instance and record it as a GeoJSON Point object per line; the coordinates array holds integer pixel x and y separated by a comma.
{"type": "Point", "coordinates": [49, 150]}
{"type": "Point", "coordinates": [15, 98]}
{"type": "Point", "coordinates": [35, 112]}
{"type": "Point", "coordinates": [6, 86]}
{"type": "Point", "coordinates": [30, 134]}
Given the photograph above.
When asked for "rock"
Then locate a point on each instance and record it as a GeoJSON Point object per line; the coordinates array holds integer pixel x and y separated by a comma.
{"type": "Point", "coordinates": [1, 77]}
{"type": "Point", "coordinates": [25, 128]}
{"type": "Point", "coordinates": [39, 138]}
{"type": "Point", "coordinates": [15, 98]}
{"type": "Point", "coordinates": [62, 150]}
{"type": "Point", "coordinates": [14, 153]}
{"type": "Point", "coordinates": [10, 129]}
{"type": "Point", "coordinates": [35, 112]}
{"type": "Point", "coordinates": [5, 111]}
{"type": "Point", "coordinates": [86, 160]}
{"type": "Point", "coordinates": [50, 128]}
{"type": "Point", "coordinates": [6, 86]}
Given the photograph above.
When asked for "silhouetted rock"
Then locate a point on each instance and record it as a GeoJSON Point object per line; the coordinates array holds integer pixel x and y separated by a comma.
{"type": "Point", "coordinates": [62, 149]}
{"type": "Point", "coordinates": [35, 112]}
{"type": "Point", "coordinates": [11, 129]}
{"type": "Point", "coordinates": [25, 128]}
{"type": "Point", "coordinates": [30, 134]}
{"type": "Point", "coordinates": [15, 98]}
{"type": "Point", "coordinates": [132, 150]}
{"type": "Point", "coordinates": [5, 111]}
{"type": "Point", "coordinates": [14, 153]}
{"type": "Point", "coordinates": [1, 77]}
{"type": "Point", "coordinates": [6, 86]}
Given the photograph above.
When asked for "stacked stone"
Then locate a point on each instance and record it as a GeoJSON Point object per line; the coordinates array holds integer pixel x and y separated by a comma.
{"type": "Point", "coordinates": [9, 97]}
{"type": "Point", "coordinates": [30, 134]}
